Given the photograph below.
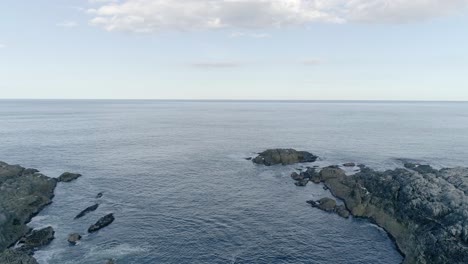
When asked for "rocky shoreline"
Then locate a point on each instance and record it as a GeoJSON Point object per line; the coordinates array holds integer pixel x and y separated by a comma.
{"type": "Point", "coordinates": [424, 210]}
{"type": "Point", "coordinates": [23, 194]}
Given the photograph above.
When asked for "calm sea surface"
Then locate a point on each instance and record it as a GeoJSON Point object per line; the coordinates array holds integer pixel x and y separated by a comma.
{"type": "Point", "coordinates": [174, 175]}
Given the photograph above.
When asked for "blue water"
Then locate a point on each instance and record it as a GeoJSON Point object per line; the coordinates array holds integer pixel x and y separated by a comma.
{"type": "Point", "coordinates": [174, 175]}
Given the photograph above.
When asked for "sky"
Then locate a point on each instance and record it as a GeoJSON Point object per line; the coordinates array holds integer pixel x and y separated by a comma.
{"type": "Point", "coordinates": [234, 49]}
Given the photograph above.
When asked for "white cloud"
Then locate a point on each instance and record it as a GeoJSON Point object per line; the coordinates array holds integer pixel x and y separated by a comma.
{"type": "Point", "coordinates": [2, 46]}
{"type": "Point", "coordinates": [157, 15]}
{"type": "Point", "coordinates": [249, 35]}
{"type": "Point", "coordinates": [67, 24]}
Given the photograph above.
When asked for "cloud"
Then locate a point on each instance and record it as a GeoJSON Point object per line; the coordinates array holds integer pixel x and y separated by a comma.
{"type": "Point", "coordinates": [145, 16]}
{"type": "Point", "coordinates": [216, 65]}
{"type": "Point", "coordinates": [249, 35]}
{"type": "Point", "coordinates": [67, 24]}
{"type": "Point", "coordinates": [2, 46]}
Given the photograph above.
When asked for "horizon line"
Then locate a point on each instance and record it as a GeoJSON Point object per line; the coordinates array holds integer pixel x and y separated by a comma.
{"type": "Point", "coordinates": [234, 100]}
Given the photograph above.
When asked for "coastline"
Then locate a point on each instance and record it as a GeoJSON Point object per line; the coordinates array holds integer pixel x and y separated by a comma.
{"type": "Point", "coordinates": [423, 210]}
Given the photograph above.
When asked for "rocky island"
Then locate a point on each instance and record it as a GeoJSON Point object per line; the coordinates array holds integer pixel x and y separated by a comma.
{"type": "Point", "coordinates": [423, 209]}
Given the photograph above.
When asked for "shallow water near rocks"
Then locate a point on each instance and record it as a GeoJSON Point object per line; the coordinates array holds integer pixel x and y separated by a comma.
{"type": "Point", "coordinates": [174, 175]}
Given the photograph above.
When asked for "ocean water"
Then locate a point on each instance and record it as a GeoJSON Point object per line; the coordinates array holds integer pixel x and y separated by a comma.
{"type": "Point", "coordinates": [174, 175]}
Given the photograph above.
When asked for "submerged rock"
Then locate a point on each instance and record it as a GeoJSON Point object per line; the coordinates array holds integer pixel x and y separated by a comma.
{"type": "Point", "coordinates": [302, 182]}
{"type": "Point", "coordinates": [74, 238]}
{"type": "Point", "coordinates": [101, 223]}
{"type": "Point", "coordinates": [99, 195]}
{"type": "Point", "coordinates": [283, 156]}
{"type": "Point", "coordinates": [68, 177]}
{"type": "Point", "coordinates": [87, 210]}
{"type": "Point", "coordinates": [349, 164]}
{"type": "Point", "coordinates": [110, 261]}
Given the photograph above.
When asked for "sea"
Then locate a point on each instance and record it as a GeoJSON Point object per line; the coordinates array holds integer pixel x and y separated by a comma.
{"type": "Point", "coordinates": [176, 178]}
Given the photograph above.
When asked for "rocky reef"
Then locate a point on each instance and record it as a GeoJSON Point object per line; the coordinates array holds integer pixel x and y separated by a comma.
{"type": "Point", "coordinates": [283, 156]}
{"type": "Point", "coordinates": [423, 209]}
{"type": "Point", "coordinates": [23, 194]}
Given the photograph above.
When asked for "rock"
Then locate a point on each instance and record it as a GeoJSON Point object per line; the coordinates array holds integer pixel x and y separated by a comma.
{"type": "Point", "coordinates": [342, 211]}
{"type": "Point", "coordinates": [110, 261]}
{"type": "Point", "coordinates": [326, 204]}
{"type": "Point", "coordinates": [425, 210]}
{"type": "Point", "coordinates": [36, 239]}
{"type": "Point", "coordinates": [297, 177]}
{"type": "Point", "coordinates": [23, 194]}
{"type": "Point", "coordinates": [249, 158]}
{"type": "Point", "coordinates": [11, 256]}
{"type": "Point", "coordinates": [101, 223]}
{"type": "Point", "coordinates": [99, 195]}
{"type": "Point", "coordinates": [349, 164]}
{"type": "Point", "coordinates": [74, 238]}
{"type": "Point", "coordinates": [284, 157]}
{"type": "Point", "coordinates": [87, 210]}
{"type": "Point", "coordinates": [68, 177]}
{"type": "Point", "coordinates": [302, 182]}
{"type": "Point", "coordinates": [420, 168]}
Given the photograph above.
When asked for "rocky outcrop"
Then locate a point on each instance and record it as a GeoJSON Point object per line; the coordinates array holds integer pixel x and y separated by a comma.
{"type": "Point", "coordinates": [74, 238]}
{"type": "Point", "coordinates": [68, 177]}
{"type": "Point", "coordinates": [283, 156]}
{"type": "Point", "coordinates": [87, 210]}
{"type": "Point", "coordinates": [36, 239]}
{"type": "Point", "coordinates": [329, 205]}
{"type": "Point", "coordinates": [101, 223]}
{"type": "Point", "coordinates": [99, 195]}
{"type": "Point", "coordinates": [23, 193]}
{"type": "Point", "coordinates": [423, 209]}
{"type": "Point", "coordinates": [15, 257]}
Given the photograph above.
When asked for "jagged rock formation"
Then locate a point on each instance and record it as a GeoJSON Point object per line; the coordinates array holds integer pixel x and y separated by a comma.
{"type": "Point", "coordinates": [283, 156]}
{"type": "Point", "coordinates": [23, 193]}
{"type": "Point", "coordinates": [424, 210]}
{"type": "Point", "coordinates": [87, 210]}
{"type": "Point", "coordinates": [101, 223]}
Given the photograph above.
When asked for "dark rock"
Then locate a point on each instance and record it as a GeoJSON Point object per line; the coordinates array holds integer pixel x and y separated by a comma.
{"type": "Point", "coordinates": [284, 157]}
{"type": "Point", "coordinates": [23, 194]}
{"type": "Point", "coordinates": [110, 261]}
{"type": "Point", "coordinates": [342, 211]}
{"type": "Point", "coordinates": [326, 204]}
{"type": "Point", "coordinates": [101, 223]}
{"type": "Point", "coordinates": [424, 210]}
{"type": "Point", "coordinates": [420, 168]}
{"type": "Point", "coordinates": [325, 188]}
{"type": "Point", "coordinates": [36, 239]}
{"type": "Point", "coordinates": [99, 195]}
{"type": "Point", "coordinates": [297, 177]}
{"type": "Point", "coordinates": [302, 182]}
{"type": "Point", "coordinates": [11, 256]}
{"type": "Point", "coordinates": [249, 158]}
{"type": "Point", "coordinates": [87, 210]}
{"type": "Point", "coordinates": [349, 164]}
{"type": "Point", "coordinates": [68, 177]}
{"type": "Point", "coordinates": [74, 238]}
